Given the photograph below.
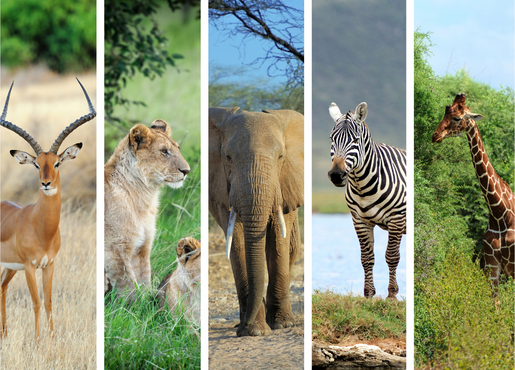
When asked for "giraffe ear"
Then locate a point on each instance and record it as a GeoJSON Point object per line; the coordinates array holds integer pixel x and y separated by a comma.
{"type": "Point", "coordinates": [474, 116]}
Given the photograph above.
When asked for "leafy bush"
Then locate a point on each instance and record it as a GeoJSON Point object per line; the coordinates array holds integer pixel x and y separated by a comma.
{"type": "Point", "coordinates": [60, 33]}
{"type": "Point", "coordinates": [457, 323]}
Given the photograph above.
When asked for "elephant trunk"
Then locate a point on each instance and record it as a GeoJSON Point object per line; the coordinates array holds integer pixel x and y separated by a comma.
{"type": "Point", "coordinates": [254, 205]}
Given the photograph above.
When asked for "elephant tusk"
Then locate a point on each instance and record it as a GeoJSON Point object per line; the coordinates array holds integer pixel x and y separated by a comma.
{"type": "Point", "coordinates": [282, 224]}
{"type": "Point", "coordinates": [230, 229]}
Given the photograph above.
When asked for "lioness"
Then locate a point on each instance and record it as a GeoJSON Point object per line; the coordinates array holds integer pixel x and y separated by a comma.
{"type": "Point", "coordinates": [182, 284]}
{"type": "Point", "coordinates": [143, 161]}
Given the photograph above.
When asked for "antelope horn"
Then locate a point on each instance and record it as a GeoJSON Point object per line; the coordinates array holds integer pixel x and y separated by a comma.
{"type": "Point", "coordinates": [230, 229]}
{"type": "Point", "coordinates": [82, 120]}
{"type": "Point", "coordinates": [28, 138]}
{"type": "Point", "coordinates": [282, 224]}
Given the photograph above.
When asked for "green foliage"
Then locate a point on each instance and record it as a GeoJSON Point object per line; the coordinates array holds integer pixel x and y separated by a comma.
{"type": "Point", "coordinates": [335, 315]}
{"type": "Point", "coordinates": [134, 44]}
{"type": "Point", "coordinates": [60, 33]}
{"type": "Point", "coordinates": [457, 324]}
{"type": "Point", "coordinates": [138, 335]}
{"type": "Point", "coordinates": [251, 94]}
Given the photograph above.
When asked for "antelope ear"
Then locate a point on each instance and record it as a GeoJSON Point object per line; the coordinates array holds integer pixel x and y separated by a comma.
{"type": "Point", "coordinates": [70, 153]}
{"type": "Point", "coordinates": [474, 116]}
{"type": "Point", "coordinates": [361, 112]}
{"type": "Point", "coordinates": [140, 137]}
{"type": "Point", "coordinates": [23, 157]}
{"type": "Point", "coordinates": [161, 125]}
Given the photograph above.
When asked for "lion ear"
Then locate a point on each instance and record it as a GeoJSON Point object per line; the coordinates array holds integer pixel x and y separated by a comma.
{"type": "Point", "coordinates": [140, 137]}
{"type": "Point", "coordinates": [161, 125]}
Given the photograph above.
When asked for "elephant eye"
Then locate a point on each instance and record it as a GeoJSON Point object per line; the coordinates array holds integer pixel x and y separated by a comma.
{"type": "Point", "coordinates": [228, 157]}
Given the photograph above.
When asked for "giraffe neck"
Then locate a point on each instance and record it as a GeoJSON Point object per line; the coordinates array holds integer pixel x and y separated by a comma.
{"type": "Point", "coordinates": [488, 179]}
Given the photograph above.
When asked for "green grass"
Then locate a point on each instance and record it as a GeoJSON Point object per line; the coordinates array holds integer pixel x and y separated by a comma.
{"type": "Point", "coordinates": [330, 201]}
{"type": "Point", "coordinates": [336, 316]}
{"type": "Point", "coordinates": [138, 335]}
{"type": "Point", "coordinates": [458, 324]}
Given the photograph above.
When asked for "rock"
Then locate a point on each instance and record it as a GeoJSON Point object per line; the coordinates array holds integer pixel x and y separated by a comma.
{"type": "Point", "coordinates": [356, 356]}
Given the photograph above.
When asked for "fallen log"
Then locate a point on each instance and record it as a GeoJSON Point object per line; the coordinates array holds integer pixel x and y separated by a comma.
{"type": "Point", "coordinates": [356, 356]}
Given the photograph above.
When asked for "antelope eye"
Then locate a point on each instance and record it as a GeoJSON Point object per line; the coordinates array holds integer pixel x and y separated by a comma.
{"type": "Point", "coordinates": [56, 165]}
{"type": "Point", "coordinates": [36, 165]}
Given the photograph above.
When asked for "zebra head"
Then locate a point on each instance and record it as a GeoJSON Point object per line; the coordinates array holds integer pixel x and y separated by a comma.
{"type": "Point", "coordinates": [346, 142]}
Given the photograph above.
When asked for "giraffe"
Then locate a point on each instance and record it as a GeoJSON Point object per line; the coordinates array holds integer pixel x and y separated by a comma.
{"type": "Point", "coordinates": [499, 238]}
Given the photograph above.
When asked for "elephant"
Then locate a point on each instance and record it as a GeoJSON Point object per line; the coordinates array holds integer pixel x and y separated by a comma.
{"type": "Point", "coordinates": [256, 185]}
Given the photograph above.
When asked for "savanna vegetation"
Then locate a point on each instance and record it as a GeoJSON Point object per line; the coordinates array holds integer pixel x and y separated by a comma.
{"type": "Point", "coordinates": [38, 109]}
{"type": "Point", "coordinates": [139, 335]}
{"type": "Point", "coordinates": [59, 33]}
{"type": "Point", "coordinates": [342, 319]}
{"type": "Point", "coordinates": [457, 322]}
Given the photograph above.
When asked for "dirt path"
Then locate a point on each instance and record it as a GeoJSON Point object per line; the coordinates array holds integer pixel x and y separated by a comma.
{"type": "Point", "coordinates": [282, 349]}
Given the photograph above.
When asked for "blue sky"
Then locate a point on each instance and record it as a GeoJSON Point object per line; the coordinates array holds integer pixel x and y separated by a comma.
{"type": "Point", "coordinates": [234, 52]}
{"type": "Point", "coordinates": [477, 35]}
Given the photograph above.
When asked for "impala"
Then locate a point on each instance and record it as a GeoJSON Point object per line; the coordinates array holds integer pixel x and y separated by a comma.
{"type": "Point", "coordinates": [30, 237]}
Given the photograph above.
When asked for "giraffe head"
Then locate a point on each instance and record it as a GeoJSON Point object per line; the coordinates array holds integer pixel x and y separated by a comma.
{"type": "Point", "coordinates": [457, 118]}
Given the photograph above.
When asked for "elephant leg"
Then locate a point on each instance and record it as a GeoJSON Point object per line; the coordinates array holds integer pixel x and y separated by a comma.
{"type": "Point", "coordinates": [239, 270]}
{"type": "Point", "coordinates": [392, 260]}
{"type": "Point", "coordinates": [280, 256]}
{"type": "Point", "coordinates": [365, 234]}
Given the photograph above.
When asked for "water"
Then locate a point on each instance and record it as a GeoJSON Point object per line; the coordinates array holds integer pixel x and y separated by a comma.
{"type": "Point", "coordinates": [336, 259]}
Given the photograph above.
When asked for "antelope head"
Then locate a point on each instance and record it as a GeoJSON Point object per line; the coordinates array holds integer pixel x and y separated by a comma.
{"type": "Point", "coordinates": [47, 163]}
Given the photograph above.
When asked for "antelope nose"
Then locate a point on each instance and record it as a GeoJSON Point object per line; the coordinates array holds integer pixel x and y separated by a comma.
{"type": "Point", "coordinates": [185, 171]}
{"type": "Point", "coordinates": [45, 184]}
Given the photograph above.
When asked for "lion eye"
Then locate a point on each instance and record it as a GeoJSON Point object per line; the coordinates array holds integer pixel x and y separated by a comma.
{"type": "Point", "coordinates": [165, 151]}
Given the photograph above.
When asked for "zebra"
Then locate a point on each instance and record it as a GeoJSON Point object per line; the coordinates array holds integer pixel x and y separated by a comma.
{"type": "Point", "coordinates": [375, 175]}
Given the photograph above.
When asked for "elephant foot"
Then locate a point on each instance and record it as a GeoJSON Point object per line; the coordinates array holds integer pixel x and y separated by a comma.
{"type": "Point", "coordinates": [281, 320]}
{"type": "Point", "coordinates": [253, 330]}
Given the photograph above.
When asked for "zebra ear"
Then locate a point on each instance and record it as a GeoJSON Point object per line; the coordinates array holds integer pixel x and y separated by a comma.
{"type": "Point", "coordinates": [361, 112]}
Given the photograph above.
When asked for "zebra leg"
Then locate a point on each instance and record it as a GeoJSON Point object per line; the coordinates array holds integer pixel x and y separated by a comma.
{"type": "Point", "coordinates": [392, 260]}
{"type": "Point", "coordinates": [365, 234]}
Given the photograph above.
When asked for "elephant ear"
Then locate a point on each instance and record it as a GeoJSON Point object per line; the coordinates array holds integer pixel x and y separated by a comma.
{"type": "Point", "coordinates": [217, 182]}
{"type": "Point", "coordinates": [291, 179]}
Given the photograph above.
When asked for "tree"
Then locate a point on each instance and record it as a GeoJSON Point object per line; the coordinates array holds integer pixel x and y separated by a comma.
{"type": "Point", "coordinates": [271, 20]}
{"type": "Point", "coordinates": [132, 47]}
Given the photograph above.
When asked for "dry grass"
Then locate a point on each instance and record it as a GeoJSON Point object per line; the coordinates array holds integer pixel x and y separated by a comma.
{"type": "Point", "coordinates": [43, 110]}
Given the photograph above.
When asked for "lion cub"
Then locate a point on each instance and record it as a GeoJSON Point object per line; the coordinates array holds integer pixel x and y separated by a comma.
{"type": "Point", "coordinates": [143, 161]}
{"type": "Point", "coordinates": [182, 285]}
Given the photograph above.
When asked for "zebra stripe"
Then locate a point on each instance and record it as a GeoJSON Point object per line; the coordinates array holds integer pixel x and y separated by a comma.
{"type": "Point", "coordinates": [375, 175]}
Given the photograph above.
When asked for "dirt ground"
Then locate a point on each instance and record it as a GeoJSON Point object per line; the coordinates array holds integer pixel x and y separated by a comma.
{"type": "Point", "coordinates": [282, 349]}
